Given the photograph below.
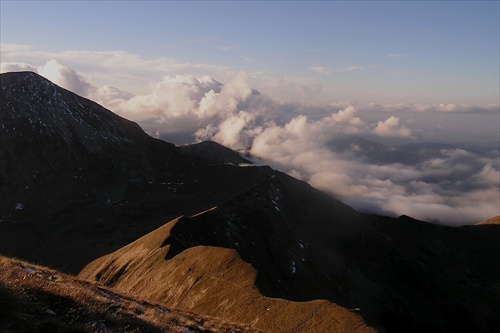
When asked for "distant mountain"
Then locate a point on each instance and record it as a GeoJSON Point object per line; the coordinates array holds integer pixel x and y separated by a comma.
{"type": "Point", "coordinates": [79, 183]}
{"type": "Point", "coordinates": [447, 166]}
{"type": "Point", "coordinates": [209, 152]}
{"type": "Point", "coordinates": [409, 154]}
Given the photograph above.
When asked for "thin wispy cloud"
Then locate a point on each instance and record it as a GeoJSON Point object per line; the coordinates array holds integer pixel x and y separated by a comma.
{"type": "Point", "coordinates": [248, 59]}
{"type": "Point", "coordinates": [321, 70]}
{"type": "Point", "coordinates": [329, 70]}
{"type": "Point", "coordinates": [204, 40]}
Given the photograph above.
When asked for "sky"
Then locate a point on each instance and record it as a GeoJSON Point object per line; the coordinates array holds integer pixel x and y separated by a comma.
{"type": "Point", "coordinates": [382, 52]}
{"type": "Point", "coordinates": [282, 79]}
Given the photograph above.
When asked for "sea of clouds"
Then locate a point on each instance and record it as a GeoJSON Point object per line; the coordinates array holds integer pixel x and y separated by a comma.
{"type": "Point", "coordinates": [454, 185]}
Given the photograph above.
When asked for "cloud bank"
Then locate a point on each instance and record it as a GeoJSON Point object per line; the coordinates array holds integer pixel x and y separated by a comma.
{"type": "Point", "coordinates": [322, 144]}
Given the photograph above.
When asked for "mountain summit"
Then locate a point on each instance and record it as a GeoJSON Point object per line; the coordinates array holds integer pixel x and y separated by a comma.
{"type": "Point", "coordinates": [56, 142]}
{"type": "Point", "coordinates": [80, 186]}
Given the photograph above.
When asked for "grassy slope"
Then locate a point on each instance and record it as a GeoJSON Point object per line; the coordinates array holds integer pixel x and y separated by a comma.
{"type": "Point", "coordinates": [38, 299]}
{"type": "Point", "coordinates": [215, 282]}
{"type": "Point", "coordinates": [492, 220]}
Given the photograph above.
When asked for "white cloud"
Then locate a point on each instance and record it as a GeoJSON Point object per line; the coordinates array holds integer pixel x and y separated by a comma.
{"type": "Point", "coordinates": [125, 70]}
{"type": "Point", "coordinates": [226, 102]}
{"type": "Point", "coordinates": [432, 108]}
{"type": "Point", "coordinates": [489, 175]}
{"type": "Point", "coordinates": [344, 115]}
{"type": "Point", "coordinates": [16, 67]}
{"type": "Point", "coordinates": [390, 127]}
{"type": "Point", "coordinates": [327, 71]}
{"type": "Point", "coordinates": [350, 68]}
{"type": "Point", "coordinates": [66, 78]}
{"type": "Point", "coordinates": [235, 130]}
{"type": "Point", "coordinates": [453, 187]}
{"type": "Point", "coordinates": [321, 70]}
{"type": "Point", "coordinates": [110, 96]}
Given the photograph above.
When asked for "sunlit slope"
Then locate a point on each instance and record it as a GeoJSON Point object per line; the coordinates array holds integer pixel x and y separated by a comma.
{"type": "Point", "coordinates": [212, 281]}
{"type": "Point", "coordinates": [37, 299]}
{"type": "Point", "coordinates": [492, 220]}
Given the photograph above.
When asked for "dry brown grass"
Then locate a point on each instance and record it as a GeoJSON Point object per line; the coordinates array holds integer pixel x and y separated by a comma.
{"type": "Point", "coordinates": [492, 220]}
{"type": "Point", "coordinates": [215, 282]}
{"type": "Point", "coordinates": [38, 299]}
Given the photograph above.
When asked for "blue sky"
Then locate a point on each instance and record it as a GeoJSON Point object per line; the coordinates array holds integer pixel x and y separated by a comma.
{"type": "Point", "coordinates": [385, 52]}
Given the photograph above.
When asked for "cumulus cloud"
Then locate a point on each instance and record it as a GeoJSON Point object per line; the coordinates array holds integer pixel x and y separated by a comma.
{"type": "Point", "coordinates": [227, 100]}
{"type": "Point", "coordinates": [110, 96]}
{"type": "Point", "coordinates": [235, 130]}
{"type": "Point", "coordinates": [125, 70]}
{"type": "Point", "coordinates": [440, 190]}
{"type": "Point", "coordinates": [70, 79]}
{"type": "Point", "coordinates": [66, 78]}
{"type": "Point", "coordinates": [344, 115]}
{"type": "Point", "coordinates": [444, 183]}
{"type": "Point", "coordinates": [489, 175]}
{"type": "Point", "coordinates": [390, 127]}
{"type": "Point", "coordinates": [16, 67]}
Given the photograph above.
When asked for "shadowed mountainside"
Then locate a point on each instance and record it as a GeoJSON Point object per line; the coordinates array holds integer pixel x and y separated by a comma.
{"type": "Point", "coordinates": [70, 147]}
{"type": "Point", "coordinates": [431, 278]}
{"type": "Point", "coordinates": [209, 152]}
{"type": "Point", "coordinates": [79, 183]}
{"type": "Point", "coordinates": [213, 281]}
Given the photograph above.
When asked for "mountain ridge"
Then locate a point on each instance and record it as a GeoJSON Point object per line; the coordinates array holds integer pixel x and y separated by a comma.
{"type": "Point", "coordinates": [305, 244]}
{"type": "Point", "coordinates": [56, 135]}
{"type": "Point", "coordinates": [225, 281]}
{"type": "Point", "coordinates": [34, 298]}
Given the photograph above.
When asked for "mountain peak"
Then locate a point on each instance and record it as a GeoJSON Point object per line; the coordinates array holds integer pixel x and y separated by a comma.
{"type": "Point", "coordinates": [210, 152]}
{"type": "Point", "coordinates": [78, 182]}
{"type": "Point", "coordinates": [33, 104]}
{"type": "Point", "coordinates": [52, 136]}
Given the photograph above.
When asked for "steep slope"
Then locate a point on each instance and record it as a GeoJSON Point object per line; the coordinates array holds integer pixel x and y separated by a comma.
{"type": "Point", "coordinates": [402, 274]}
{"type": "Point", "coordinates": [491, 220]}
{"type": "Point", "coordinates": [37, 299]}
{"type": "Point", "coordinates": [62, 155]}
{"type": "Point", "coordinates": [212, 281]}
{"type": "Point", "coordinates": [53, 139]}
